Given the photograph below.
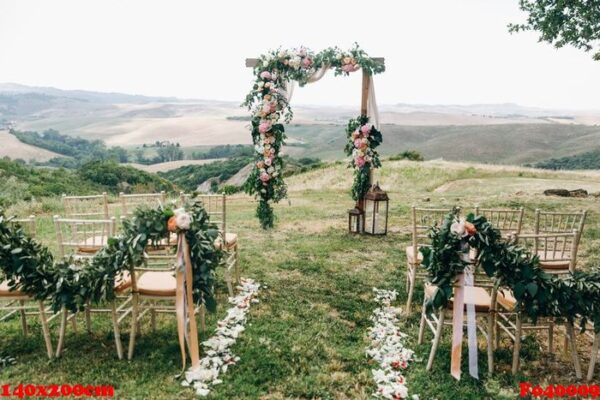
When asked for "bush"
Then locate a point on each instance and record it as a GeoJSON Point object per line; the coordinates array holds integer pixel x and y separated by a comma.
{"type": "Point", "coordinates": [411, 155]}
{"type": "Point", "coordinates": [114, 177]}
{"type": "Point", "coordinates": [230, 189]}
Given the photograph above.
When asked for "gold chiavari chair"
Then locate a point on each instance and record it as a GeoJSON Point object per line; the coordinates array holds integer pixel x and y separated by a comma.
{"type": "Point", "coordinates": [507, 220]}
{"type": "Point", "coordinates": [82, 239]}
{"type": "Point", "coordinates": [422, 219]}
{"type": "Point", "coordinates": [216, 207]}
{"type": "Point", "coordinates": [13, 300]}
{"type": "Point", "coordinates": [86, 207]}
{"type": "Point", "coordinates": [594, 355]}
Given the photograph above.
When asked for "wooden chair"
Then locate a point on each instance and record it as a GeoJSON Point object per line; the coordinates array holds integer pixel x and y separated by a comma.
{"type": "Point", "coordinates": [13, 300]}
{"type": "Point", "coordinates": [422, 219]}
{"type": "Point", "coordinates": [129, 202]}
{"type": "Point", "coordinates": [81, 239]}
{"type": "Point", "coordinates": [594, 355]}
{"type": "Point", "coordinates": [558, 255]}
{"type": "Point", "coordinates": [484, 302]}
{"type": "Point", "coordinates": [216, 207]}
{"type": "Point", "coordinates": [559, 222]}
{"type": "Point", "coordinates": [153, 285]}
{"type": "Point", "coordinates": [507, 220]}
{"type": "Point", "coordinates": [86, 207]}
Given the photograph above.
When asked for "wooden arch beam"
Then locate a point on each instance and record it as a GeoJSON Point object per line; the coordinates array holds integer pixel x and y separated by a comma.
{"type": "Point", "coordinates": [251, 62]}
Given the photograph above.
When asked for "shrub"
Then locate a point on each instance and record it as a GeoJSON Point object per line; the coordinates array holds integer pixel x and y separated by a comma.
{"type": "Point", "coordinates": [411, 155]}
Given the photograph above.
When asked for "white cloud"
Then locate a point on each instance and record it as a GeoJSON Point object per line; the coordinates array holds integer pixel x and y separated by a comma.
{"type": "Point", "coordinates": [437, 51]}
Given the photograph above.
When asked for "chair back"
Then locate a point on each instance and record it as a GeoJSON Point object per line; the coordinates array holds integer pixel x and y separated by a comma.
{"type": "Point", "coordinates": [164, 260]}
{"type": "Point", "coordinates": [130, 202]}
{"type": "Point", "coordinates": [28, 225]}
{"type": "Point", "coordinates": [82, 237]}
{"type": "Point", "coordinates": [557, 251]}
{"type": "Point", "coordinates": [215, 206]}
{"type": "Point", "coordinates": [422, 220]}
{"type": "Point", "coordinates": [507, 220]}
{"type": "Point", "coordinates": [559, 222]}
{"type": "Point", "coordinates": [86, 207]}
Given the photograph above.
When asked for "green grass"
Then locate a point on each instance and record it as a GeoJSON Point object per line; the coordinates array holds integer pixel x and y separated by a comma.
{"type": "Point", "coordinates": [306, 339]}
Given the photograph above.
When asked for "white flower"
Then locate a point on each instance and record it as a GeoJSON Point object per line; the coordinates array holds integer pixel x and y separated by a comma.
{"type": "Point", "coordinates": [458, 228]}
{"type": "Point", "coordinates": [270, 170]}
{"type": "Point", "coordinates": [183, 219]}
{"type": "Point", "coordinates": [261, 84]}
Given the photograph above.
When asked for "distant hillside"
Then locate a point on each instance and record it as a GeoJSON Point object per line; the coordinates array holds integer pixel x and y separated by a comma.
{"type": "Point", "coordinates": [587, 160]}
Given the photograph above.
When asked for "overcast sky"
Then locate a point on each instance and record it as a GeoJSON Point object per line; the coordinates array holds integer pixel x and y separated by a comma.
{"type": "Point", "coordinates": [436, 51]}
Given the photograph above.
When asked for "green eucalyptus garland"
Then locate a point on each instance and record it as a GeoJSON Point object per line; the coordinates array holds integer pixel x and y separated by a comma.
{"type": "Point", "coordinates": [73, 283]}
{"type": "Point", "coordinates": [269, 107]}
{"type": "Point", "coordinates": [538, 293]}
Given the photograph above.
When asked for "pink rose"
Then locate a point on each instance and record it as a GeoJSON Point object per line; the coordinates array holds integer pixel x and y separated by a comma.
{"type": "Point", "coordinates": [268, 161]}
{"type": "Point", "coordinates": [264, 127]}
{"type": "Point", "coordinates": [355, 134]}
{"type": "Point", "coordinates": [273, 107]}
{"type": "Point", "coordinates": [265, 75]}
{"type": "Point", "coordinates": [307, 62]}
{"type": "Point", "coordinates": [359, 161]}
{"type": "Point", "coordinates": [264, 177]}
{"type": "Point", "coordinates": [260, 165]}
{"type": "Point", "coordinates": [365, 129]}
{"type": "Point", "coordinates": [357, 143]}
{"type": "Point", "coordinates": [266, 108]}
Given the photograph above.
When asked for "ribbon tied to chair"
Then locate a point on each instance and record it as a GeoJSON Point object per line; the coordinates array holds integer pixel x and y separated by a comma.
{"type": "Point", "coordinates": [464, 279]}
{"type": "Point", "coordinates": [184, 304]}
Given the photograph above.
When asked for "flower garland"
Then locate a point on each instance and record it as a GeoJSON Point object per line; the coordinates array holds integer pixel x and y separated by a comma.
{"type": "Point", "coordinates": [218, 354]}
{"type": "Point", "coordinates": [362, 141]}
{"type": "Point", "coordinates": [538, 294]}
{"type": "Point", "coordinates": [73, 283]}
{"type": "Point", "coordinates": [387, 348]}
{"type": "Point", "coordinates": [269, 106]}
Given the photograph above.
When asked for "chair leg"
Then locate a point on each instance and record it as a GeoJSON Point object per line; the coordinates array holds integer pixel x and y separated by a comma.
{"type": "Point", "coordinates": [46, 331]}
{"type": "Point", "coordinates": [88, 318]}
{"type": "Point", "coordinates": [134, 324]}
{"type": "Point", "coordinates": [574, 354]}
{"type": "Point", "coordinates": [551, 337]}
{"type": "Point", "coordinates": [517, 346]}
{"type": "Point", "coordinates": [152, 318]}
{"type": "Point", "coordinates": [411, 288]}
{"type": "Point", "coordinates": [61, 334]}
{"type": "Point", "coordinates": [237, 264]}
{"type": "Point", "coordinates": [436, 339]}
{"type": "Point", "coordinates": [23, 317]}
{"type": "Point", "coordinates": [202, 318]}
{"type": "Point", "coordinates": [74, 322]}
{"type": "Point", "coordinates": [422, 324]}
{"type": "Point", "coordinates": [115, 321]}
{"type": "Point", "coordinates": [594, 357]}
{"type": "Point", "coordinates": [496, 332]}
{"type": "Point", "coordinates": [228, 277]}
{"type": "Point", "coordinates": [491, 341]}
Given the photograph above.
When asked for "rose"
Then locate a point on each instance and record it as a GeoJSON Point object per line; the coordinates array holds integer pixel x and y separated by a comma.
{"type": "Point", "coordinates": [264, 126]}
{"type": "Point", "coordinates": [268, 161]}
{"type": "Point", "coordinates": [265, 75]}
{"type": "Point", "coordinates": [307, 62]}
{"type": "Point", "coordinates": [183, 220]}
{"type": "Point", "coordinates": [365, 129]}
{"type": "Point", "coordinates": [266, 109]}
{"type": "Point", "coordinates": [470, 228]}
{"type": "Point", "coordinates": [172, 224]}
{"type": "Point", "coordinates": [347, 60]}
{"type": "Point", "coordinates": [359, 161]}
{"type": "Point", "coordinates": [355, 134]}
{"type": "Point", "coordinates": [272, 151]}
{"type": "Point", "coordinates": [357, 143]}
{"type": "Point", "coordinates": [260, 165]}
{"type": "Point", "coordinates": [458, 228]}
{"type": "Point", "coordinates": [273, 106]}
{"type": "Point", "coordinates": [264, 177]}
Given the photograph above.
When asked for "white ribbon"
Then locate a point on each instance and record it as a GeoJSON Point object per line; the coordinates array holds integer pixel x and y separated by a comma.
{"type": "Point", "coordinates": [471, 327]}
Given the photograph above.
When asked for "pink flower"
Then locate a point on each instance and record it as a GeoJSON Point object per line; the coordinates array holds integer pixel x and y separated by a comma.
{"type": "Point", "coordinates": [268, 161]}
{"type": "Point", "coordinates": [355, 134]}
{"type": "Point", "coordinates": [307, 62]}
{"type": "Point", "coordinates": [365, 129]}
{"type": "Point", "coordinates": [273, 106]}
{"type": "Point", "coordinates": [359, 161]}
{"type": "Point", "coordinates": [264, 127]}
{"type": "Point", "coordinates": [264, 177]}
{"type": "Point", "coordinates": [357, 143]}
{"type": "Point", "coordinates": [265, 75]}
{"type": "Point", "coordinates": [350, 67]}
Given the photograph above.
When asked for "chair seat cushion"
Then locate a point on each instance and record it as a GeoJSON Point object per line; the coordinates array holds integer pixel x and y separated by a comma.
{"type": "Point", "coordinates": [157, 283]}
{"type": "Point", "coordinates": [473, 295]}
{"type": "Point", "coordinates": [506, 299]}
{"type": "Point", "coordinates": [6, 292]}
{"type": "Point", "coordinates": [411, 257]}
{"type": "Point", "coordinates": [122, 282]}
{"type": "Point", "coordinates": [92, 244]}
{"type": "Point", "coordinates": [230, 241]}
{"type": "Point", "coordinates": [555, 261]}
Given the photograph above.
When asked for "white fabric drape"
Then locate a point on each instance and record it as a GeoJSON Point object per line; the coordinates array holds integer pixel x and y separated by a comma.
{"type": "Point", "coordinates": [372, 110]}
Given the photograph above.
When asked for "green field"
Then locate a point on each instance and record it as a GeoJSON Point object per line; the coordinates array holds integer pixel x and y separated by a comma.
{"type": "Point", "coordinates": [306, 339]}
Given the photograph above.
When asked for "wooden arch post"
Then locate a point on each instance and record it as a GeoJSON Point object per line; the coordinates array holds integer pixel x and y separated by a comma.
{"type": "Point", "coordinates": [364, 104]}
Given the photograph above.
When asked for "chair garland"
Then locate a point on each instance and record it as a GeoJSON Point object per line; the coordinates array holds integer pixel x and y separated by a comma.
{"type": "Point", "coordinates": [73, 283]}
{"type": "Point", "coordinates": [538, 293]}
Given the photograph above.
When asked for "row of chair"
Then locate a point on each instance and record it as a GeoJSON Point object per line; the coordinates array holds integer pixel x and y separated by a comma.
{"type": "Point", "coordinates": [555, 239]}
{"type": "Point", "coordinates": [149, 289]}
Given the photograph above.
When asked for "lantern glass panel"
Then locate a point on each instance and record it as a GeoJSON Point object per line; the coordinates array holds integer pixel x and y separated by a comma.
{"type": "Point", "coordinates": [376, 214]}
{"type": "Point", "coordinates": [355, 221]}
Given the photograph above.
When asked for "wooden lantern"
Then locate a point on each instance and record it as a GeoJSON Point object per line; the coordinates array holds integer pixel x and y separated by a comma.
{"type": "Point", "coordinates": [376, 211]}
{"type": "Point", "coordinates": [356, 220]}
